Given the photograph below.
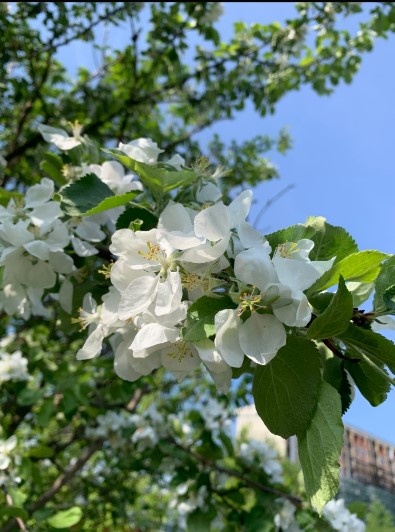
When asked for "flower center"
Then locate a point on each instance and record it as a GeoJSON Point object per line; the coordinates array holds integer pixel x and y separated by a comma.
{"type": "Point", "coordinates": [153, 252]}
{"type": "Point", "coordinates": [249, 301]}
{"type": "Point", "coordinates": [180, 350]}
{"type": "Point", "coordinates": [287, 250]}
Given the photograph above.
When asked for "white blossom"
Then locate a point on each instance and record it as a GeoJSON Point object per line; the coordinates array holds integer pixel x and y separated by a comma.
{"type": "Point", "coordinates": [13, 367]}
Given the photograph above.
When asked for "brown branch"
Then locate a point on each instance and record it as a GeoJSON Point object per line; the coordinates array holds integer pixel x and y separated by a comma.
{"type": "Point", "coordinates": [232, 473]}
{"type": "Point", "coordinates": [329, 344]}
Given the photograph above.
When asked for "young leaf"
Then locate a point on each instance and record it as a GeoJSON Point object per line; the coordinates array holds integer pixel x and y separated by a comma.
{"type": "Point", "coordinates": [66, 518]}
{"type": "Point", "coordinates": [385, 279]}
{"type": "Point", "coordinates": [286, 390]}
{"type": "Point", "coordinates": [200, 318]}
{"type": "Point", "coordinates": [113, 201]}
{"type": "Point", "coordinates": [363, 266]}
{"type": "Point", "coordinates": [336, 317]}
{"type": "Point", "coordinates": [157, 179]}
{"type": "Point", "coordinates": [370, 382]}
{"type": "Point", "coordinates": [320, 447]}
{"type": "Point", "coordinates": [84, 194]}
{"type": "Point", "coordinates": [374, 345]}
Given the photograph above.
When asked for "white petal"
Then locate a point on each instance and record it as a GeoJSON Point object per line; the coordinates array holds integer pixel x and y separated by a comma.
{"type": "Point", "coordinates": [297, 313]}
{"type": "Point", "coordinates": [66, 296]}
{"type": "Point", "coordinates": [59, 236]}
{"type": "Point", "coordinates": [93, 345]}
{"type": "Point", "coordinates": [142, 150]}
{"type": "Point", "coordinates": [109, 309]}
{"type": "Point", "coordinates": [83, 248]}
{"type": "Point", "coordinates": [138, 296]}
{"type": "Point", "coordinates": [175, 224]}
{"type": "Point", "coordinates": [169, 294]}
{"type": "Point", "coordinates": [208, 192]}
{"type": "Point", "coordinates": [45, 214]}
{"type": "Point", "coordinates": [39, 194]}
{"type": "Point", "coordinates": [153, 334]}
{"type": "Point", "coordinates": [16, 234]}
{"type": "Point", "coordinates": [210, 356]}
{"type": "Point", "coordinates": [240, 207]}
{"type": "Point", "coordinates": [90, 231]}
{"type": "Point", "coordinates": [213, 223]}
{"type": "Point", "coordinates": [206, 252]}
{"type": "Point", "coordinates": [176, 162]}
{"type": "Point", "coordinates": [122, 364]}
{"type": "Point", "coordinates": [295, 273]}
{"type": "Point", "coordinates": [227, 325]}
{"type": "Point", "coordinates": [250, 238]}
{"type": "Point", "coordinates": [41, 275]}
{"type": "Point", "coordinates": [122, 275]}
{"type": "Point", "coordinates": [60, 262]}
{"type": "Point", "coordinates": [38, 249]}
{"type": "Point", "coordinates": [261, 336]}
{"type": "Point", "coordinates": [255, 267]}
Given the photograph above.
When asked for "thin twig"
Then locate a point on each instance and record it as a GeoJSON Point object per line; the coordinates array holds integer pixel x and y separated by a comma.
{"type": "Point", "coordinates": [270, 202]}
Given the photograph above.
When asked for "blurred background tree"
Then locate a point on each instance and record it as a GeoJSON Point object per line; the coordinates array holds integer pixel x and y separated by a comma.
{"type": "Point", "coordinates": [174, 78]}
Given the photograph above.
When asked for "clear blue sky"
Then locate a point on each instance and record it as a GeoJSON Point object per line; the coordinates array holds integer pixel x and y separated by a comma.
{"type": "Point", "coordinates": [341, 164]}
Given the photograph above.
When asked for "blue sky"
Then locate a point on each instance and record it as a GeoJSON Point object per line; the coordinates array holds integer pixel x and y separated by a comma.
{"type": "Point", "coordinates": [341, 164]}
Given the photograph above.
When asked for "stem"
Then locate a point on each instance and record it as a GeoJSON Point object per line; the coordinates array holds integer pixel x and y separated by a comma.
{"type": "Point", "coordinates": [336, 351]}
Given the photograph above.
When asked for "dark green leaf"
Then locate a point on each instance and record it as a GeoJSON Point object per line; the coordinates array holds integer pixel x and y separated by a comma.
{"type": "Point", "coordinates": [385, 279]}
{"type": "Point", "coordinates": [290, 234]}
{"type": "Point", "coordinates": [370, 382]}
{"type": "Point", "coordinates": [286, 390]}
{"type": "Point", "coordinates": [389, 298]}
{"type": "Point", "coordinates": [84, 195]}
{"type": "Point", "coordinates": [137, 213]}
{"type": "Point", "coordinates": [113, 201]}
{"type": "Point", "coordinates": [374, 345]}
{"type": "Point", "coordinates": [330, 241]}
{"type": "Point", "coordinates": [29, 397]}
{"type": "Point", "coordinates": [336, 317]}
{"type": "Point", "coordinates": [13, 511]}
{"type": "Point", "coordinates": [320, 447]}
{"type": "Point", "coordinates": [42, 451]}
{"type": "Point", "coordinates": [200, 318]}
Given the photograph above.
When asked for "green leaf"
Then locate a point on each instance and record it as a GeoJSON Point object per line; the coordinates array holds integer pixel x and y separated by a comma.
{"type": "Point", "coordinates": [290, 234]}
{"type": "Point", "coordinates": [113, 201]}
{"type": "Point", "coordinates": [286, 390]}
{"type": "Point", "coordinates": [7, 195]}
{"type": "Point", "coordinates": [29, 397]}
{"type": "Point", "coordinates": [66, 518]}
{"type": "Point", "coordinates": [330, 241]}
{"type": "Point", "coordinates": [320, 447]}
{"type": "Point", "coordinates": [385, 279]}
{"type": "Point", "coordinates": [157, 179]}
{"type": "Point", "coordinates": [320, 301]}
{"type": "Point", "coordinates": [363, 267]}
{"type": "Point", "coordinates": [52, 166]}
{"type": "Point", "coordinates": [373, 344]}
{"type": "Point", "coordinates": [42, 451]}
{"type": "Point", "coordinates": [13, 511]}
{"type": "Point", "coordinates": [370, 382]}
{"type": "Point", "coordinates": [199, 520]}
{"type": "Point", "coordinates": [360, 292]}
{"type": "Point", "coordinates": [388, 298]}
{"type": "Point", "coordinates": [137, 213]}
{"type": "Point", "coordinates": [336, 317]}
{"type": "Point", "coordinates": [199, 324]}
{"type": "Point", "coordinates": [84, 195]}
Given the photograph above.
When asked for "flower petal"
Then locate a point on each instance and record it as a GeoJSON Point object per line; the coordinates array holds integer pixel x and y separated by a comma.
{"type": "Point", "coordinates": [255, 267]}
{"type": "Point", "coordinates": [227, 325]}
{"type": "Point", "coordinates": [138, 296]}
{"type": "Point", "coordinates": [261, 336]}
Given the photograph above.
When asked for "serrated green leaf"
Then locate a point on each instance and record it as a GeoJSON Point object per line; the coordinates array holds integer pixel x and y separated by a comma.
{"type": "Point", "coordinates": [66, 518]}
{"type": "Point", "coordinates": [320, 447]}
{"type": "Point", "coordinates": [345, 391]}
{"type": "Point", "coordinates": [330, 241]}
{"type": "Point", "coordinates": [84, 195]}
{"type": "Point", "coordinates": [199, 324]}
{"type": "Point", "coordinates": [290, 234]}
{"type": "Point", "coordinates": [336, 317]}
{"type": "Point", "coordinates": [137, 213]}
{"type": "Point", "coordinates": [389, 298]}
{"type": "Point", "coordinates": [370, 382]}
{"type": "Point", "coordinates": [286, 390]}
{"type": "Point", "coordinates": [13, 511]}
{"type": "Point", "coordinates": [385, 279]}
{"type": "Point", "coordinates": [363, 266]}
{"type": "Point", "coordinates": [113, 201]}
{"type": "Point", "coordinates": [373, 344]}
{"type": "Point", "coordinates": [157, 179]}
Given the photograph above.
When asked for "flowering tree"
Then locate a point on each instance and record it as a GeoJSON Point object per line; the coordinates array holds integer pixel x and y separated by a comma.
{"type": "Point", "coordinates": [134, 293]}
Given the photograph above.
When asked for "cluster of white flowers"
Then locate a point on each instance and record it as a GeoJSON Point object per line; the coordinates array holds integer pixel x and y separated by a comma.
{"type": "Point", "coordinates": [13, 366]}
{"type": "Point", "coordinates": [32, 242]}
{"type": "Point", "coordinates": [341, 518]}
{"type": "Point", "coordinates": [6, 448]}
{"type": "Point", "coordinates": [284, 520]}
{"type": "Point", "coordinates": [161, 272]}
{"type": "Point", "coordinates": [266, 456]}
